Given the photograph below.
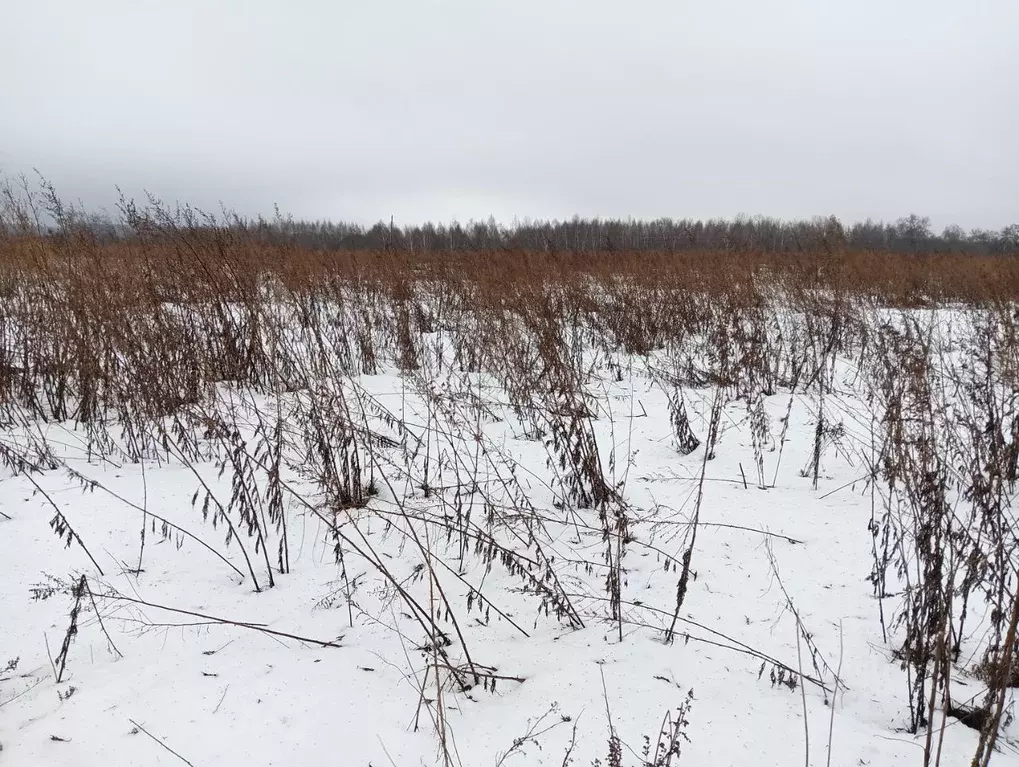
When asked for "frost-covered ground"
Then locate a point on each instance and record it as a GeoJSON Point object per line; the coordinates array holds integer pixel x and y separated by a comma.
{"type": "Point", "coordinates": [465, 524]}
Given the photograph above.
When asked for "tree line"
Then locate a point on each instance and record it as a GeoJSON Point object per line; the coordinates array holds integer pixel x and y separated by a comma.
{"type": "Point", "coordinates": [911, 234]}
{"type": "Point", "coordinates": [40, 211]}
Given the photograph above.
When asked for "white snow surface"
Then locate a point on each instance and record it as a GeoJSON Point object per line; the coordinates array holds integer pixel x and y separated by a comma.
{"type": "Point", "coordinates": [191, 688]}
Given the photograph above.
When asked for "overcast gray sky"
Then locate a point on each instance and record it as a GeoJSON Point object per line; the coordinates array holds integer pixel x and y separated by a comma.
{"type": "Point", "coordinates": [544, 108]}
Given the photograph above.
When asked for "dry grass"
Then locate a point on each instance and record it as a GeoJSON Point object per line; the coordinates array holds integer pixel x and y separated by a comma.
{"type": "Point", "coordinates": [167, 344]}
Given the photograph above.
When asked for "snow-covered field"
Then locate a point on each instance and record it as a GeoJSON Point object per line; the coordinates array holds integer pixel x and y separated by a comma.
{"type": "Point", "coordinates": [450, 583]}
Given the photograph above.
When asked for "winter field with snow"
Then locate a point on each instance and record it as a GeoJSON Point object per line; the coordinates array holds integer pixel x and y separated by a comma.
{"type": "Point", "coordinates": [263, 507]}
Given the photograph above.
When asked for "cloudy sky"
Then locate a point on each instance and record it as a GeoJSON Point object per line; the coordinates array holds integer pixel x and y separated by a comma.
{"type": "Point", "coordinates": [424, 109]}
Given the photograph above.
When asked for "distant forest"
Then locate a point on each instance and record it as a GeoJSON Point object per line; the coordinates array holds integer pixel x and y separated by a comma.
{"type": "Point", "coordinates": [912, 234]}
{"type": "Point", "coordinates": [22, 210]}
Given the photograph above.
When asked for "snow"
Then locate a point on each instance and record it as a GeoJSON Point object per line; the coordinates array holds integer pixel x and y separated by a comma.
{"type": "Point", "coordinates": [229, 695]}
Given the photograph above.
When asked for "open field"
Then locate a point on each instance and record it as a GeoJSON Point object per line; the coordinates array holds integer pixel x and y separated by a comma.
{"type": "Point", "coordinates": [268, 504]}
